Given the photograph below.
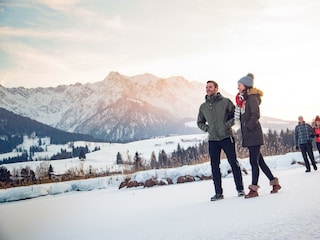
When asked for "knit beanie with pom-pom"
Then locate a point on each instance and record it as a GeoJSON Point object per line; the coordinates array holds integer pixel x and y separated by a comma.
{"type": "Point", "coordinates": [247, 80]}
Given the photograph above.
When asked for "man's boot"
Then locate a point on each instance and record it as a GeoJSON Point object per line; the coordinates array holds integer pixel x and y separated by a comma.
{"type": "Point", "coordinates": [275, 185]}
{"type": "Point", "coordinates": [253, 191]}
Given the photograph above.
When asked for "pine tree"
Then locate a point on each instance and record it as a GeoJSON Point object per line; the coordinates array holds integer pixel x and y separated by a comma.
{"type": "Point", "coordinates": [163, 159]}
{"type": "Point", "coordinates": [50, 171]}
{"type": "Point", "coordinates": [5, 175]}
{"type": "Point", "coordinates": [137, 161]}
{"type": "Point", "coordinates": [82, 155]}
{"type": "Point", "coordinates": [153, 162]}
{"type": "Point", "coordinates": [119, 158]}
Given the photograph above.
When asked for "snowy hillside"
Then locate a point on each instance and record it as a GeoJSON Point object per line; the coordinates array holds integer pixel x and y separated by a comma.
{"type": "Point", "coordinates": [105, 158]}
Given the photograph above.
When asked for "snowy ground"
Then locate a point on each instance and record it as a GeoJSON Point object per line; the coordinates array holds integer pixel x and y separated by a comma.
{"type": "Point", "coordinates": [179, 211]}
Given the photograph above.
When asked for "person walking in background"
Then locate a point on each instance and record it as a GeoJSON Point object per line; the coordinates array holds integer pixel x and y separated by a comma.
{"type": "Point", "coordinates": [216, 116]}
{"type": "Point", "coordinates": [316, 128]}
{"type": "Point", "coordinates": [303, 134]}
{"type": "Point", "coordinates": [248, 101]}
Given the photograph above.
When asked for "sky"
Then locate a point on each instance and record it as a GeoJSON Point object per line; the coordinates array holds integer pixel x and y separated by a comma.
{"type": "Point", "coordinates": [54, 42]}
{"type": "Point", "coordinates": [96, 209]}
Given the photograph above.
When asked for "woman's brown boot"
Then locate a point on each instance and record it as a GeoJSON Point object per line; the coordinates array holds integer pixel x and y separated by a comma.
{"type": "Point", "coordinates": [275, 185]}
{"type": "Point", "coordinates": [253, 191]}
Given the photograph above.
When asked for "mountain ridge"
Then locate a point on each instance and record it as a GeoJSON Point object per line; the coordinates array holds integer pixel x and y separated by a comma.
{"type": "Point", "coordinates": [13, 127]}
{"type": "Point", "coordinates": [156, 106]}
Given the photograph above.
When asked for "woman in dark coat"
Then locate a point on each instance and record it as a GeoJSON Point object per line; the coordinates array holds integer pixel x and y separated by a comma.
{"type": "Point", "coordinates": [248, 101]}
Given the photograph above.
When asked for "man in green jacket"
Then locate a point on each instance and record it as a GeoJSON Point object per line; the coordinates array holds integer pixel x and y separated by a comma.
{"type": "Point", "coordinates": [216, 116]}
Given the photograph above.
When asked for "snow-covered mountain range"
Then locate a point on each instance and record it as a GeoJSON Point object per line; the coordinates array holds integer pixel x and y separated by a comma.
{"type": "Point", "coordinates": [117, 109]}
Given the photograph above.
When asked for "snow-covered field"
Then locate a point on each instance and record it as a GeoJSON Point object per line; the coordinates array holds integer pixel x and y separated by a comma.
{"type": "Point", "coordinates": [178, 211]}
{"type": "Point", "coordinates": [105, 158]}
{"type": "Point", "coordinates": [96, 209]}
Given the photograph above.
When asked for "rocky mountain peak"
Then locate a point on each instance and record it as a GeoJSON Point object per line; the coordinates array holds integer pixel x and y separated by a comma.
{"type": "Point", "coordinates": [119, 108]}
{"type": "Point", "coordinates": [112, 105]}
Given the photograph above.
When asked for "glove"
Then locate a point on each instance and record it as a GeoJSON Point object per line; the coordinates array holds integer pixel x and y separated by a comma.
{"type": "Point", "coordinates": [297, 148]}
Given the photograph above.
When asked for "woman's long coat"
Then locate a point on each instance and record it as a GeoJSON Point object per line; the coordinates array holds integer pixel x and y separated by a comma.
{"type": "Point", "coordinates": [250, 125]}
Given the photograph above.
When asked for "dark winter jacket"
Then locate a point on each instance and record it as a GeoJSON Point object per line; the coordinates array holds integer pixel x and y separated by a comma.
{"type": "Point", "coordinates": [302, 134]}
{"type": "Point", "coordinates": [250, 126]}
{"type": "Point", "coordinates": [216, 116]}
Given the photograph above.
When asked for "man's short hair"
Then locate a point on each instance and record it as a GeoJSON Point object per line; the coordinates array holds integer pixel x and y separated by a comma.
{"type": "Point", "coordinates": [214, 83]}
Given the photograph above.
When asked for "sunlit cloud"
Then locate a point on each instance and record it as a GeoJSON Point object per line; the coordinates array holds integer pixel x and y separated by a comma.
{"type": "Point", "coordinates": [67, 41]}
{"type": "Point", "coordinates": [7, 32]}
{"type": "Point", "coordinates": [60, 5]}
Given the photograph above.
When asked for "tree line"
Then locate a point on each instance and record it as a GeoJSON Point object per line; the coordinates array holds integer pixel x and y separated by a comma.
{"type": "Point", "coordinates": [63, 154]}
{"type": "Point", "coordinates": [275, 144]}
